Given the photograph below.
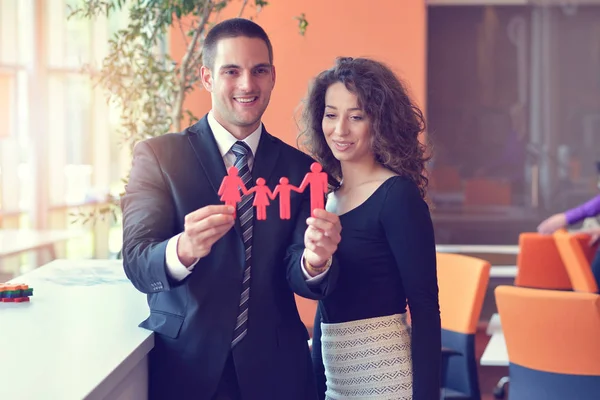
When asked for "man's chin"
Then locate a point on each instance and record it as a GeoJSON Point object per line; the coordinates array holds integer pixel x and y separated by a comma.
{"type": "Point", "coordinates": [247, 121]}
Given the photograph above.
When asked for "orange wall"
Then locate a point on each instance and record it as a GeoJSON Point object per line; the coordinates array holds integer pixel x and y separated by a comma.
{"type": "Point", "coordinates": [394, 33]}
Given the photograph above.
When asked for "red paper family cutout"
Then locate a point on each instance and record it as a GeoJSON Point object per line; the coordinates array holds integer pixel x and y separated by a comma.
{"type": "Point", "coordinates": [232, 185]}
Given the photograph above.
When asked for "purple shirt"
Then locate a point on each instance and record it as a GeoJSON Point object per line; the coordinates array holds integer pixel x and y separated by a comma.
{"type": "Point", "coordinates": [586, 210]}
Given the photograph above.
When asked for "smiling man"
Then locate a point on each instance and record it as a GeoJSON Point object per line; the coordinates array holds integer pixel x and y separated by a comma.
{"type": "Point", "coordinates": [220, 287]}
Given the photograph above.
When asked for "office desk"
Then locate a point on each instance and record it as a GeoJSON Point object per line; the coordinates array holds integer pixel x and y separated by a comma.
{"type": "Point", "coordinates": [494, 325]}
{"type": "Point", "coordinates": [503, 271]}
{"type": "Point", "coordinates": [478, 249]}
{"type": "Point", "coordinates": [78, 337]}
{"type": "Point", "coordinates": [495, 354]}
{"type": "Point", "coordinates": [15, 241]}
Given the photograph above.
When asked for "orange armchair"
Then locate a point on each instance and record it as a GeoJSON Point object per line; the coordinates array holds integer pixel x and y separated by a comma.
{"type": "Point", "coordinates": [539, 264]}
{"type": "Point", "coordinates": [574, 252]}
{"type": "Point", "coordinates": [462, 282]}
{"type": "Point", "coordinates": [552, 343]}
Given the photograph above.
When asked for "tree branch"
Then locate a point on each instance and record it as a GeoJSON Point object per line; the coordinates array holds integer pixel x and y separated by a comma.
{"type": "Point", "coordinates": [242, 9]}
{"type": "Point", "coordinates": [183, 34]}
{"type": "Point", "coordinates": [185, 62]}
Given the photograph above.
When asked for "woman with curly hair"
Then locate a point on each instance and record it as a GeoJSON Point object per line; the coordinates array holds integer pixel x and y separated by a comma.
{"type": "Point", "coordinates": [362, 127]}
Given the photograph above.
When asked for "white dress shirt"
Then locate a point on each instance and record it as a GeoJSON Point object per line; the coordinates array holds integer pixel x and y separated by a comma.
{"type": "Point", "coordinates": [225, 142]}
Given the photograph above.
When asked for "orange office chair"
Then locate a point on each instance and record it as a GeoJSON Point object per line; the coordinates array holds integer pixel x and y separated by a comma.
{"type": "Point", "coordinates": [539, 264]}
{"type": "Point", "coordinates": [552, 343]}
{"type": "Point", "coordinates": [574, 252]}
{"type": "Point", "coordinates": [462, 282]}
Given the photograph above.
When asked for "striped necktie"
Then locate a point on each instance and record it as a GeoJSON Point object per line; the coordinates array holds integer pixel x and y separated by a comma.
{"type": "Point", "coordinates": [245, 213]}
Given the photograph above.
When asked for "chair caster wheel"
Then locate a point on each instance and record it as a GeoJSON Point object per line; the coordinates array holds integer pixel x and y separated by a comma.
{"type": "Point", "coordinates": [500, 389]}
{"type": "Point", "coordinates": [499, 393]}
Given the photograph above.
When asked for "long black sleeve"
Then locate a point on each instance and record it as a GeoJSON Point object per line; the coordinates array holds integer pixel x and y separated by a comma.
{"type": "Point", "coordinates": [407, 224]}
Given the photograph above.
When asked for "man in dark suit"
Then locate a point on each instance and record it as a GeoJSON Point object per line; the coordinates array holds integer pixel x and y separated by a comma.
{"type": "Point", "coordinates": [220, 288]}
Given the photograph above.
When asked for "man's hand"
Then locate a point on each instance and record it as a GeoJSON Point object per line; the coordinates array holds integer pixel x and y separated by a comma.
{"type": "Point", "coordinates": [321, 238]}
{"type": "Point", "coordinates": [203, 228]}
{"type": "Point", "coordinates": [552, 224]}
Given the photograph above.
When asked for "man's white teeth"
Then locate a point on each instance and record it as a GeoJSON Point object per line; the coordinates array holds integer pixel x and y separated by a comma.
{"type": "Point", "coordinates": [246, 100]}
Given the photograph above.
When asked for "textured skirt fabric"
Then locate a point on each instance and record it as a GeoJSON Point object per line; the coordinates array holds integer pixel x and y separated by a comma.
{"type": "Point", "coordinates": [368, 359]}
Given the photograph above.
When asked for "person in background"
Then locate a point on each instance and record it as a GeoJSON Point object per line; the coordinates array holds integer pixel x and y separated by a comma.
{"type": "Point", "coordinates": [589, 209]}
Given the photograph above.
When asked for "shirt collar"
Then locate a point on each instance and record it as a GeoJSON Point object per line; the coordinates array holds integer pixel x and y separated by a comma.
{"type": "Point", "coordinates": [226, 140]}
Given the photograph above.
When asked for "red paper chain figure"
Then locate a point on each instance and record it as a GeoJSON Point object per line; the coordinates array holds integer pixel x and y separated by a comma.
{"type": "Point", "coordinates": [230, 188]}
{"type": "Point", "coordinates": [284, 190]}
{"type": "Point", "coordinates": [261, 198]}
{"type": "Point", "coordinates": [316, 179]}
{"type": "Point", "coordinates": [318, 186]}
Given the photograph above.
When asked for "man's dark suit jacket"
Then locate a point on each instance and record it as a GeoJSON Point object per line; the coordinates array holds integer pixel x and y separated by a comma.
{"type": "Point", "coordinates": [193, 320]}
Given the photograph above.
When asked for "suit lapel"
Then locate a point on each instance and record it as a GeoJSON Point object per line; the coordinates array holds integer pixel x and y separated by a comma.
{"type": "Point", "coordinates": [205, 146]}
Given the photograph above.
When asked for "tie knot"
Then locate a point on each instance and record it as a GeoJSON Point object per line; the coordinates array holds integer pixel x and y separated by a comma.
{"type": "Point", "coordinates": [240, 149]}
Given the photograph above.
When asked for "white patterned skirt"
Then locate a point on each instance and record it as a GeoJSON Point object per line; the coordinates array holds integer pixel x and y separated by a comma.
{"type": "Point", "coordinates": [368, 359]}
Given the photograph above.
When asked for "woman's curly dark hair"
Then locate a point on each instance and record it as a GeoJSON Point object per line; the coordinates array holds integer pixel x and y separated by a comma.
{"type": "Point", "coordinates": [395, 121]}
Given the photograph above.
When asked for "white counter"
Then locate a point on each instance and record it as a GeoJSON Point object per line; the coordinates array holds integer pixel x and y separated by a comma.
{"type": "Point", "coordinates": [78, 337]}
{"type": "Point", "coordinates": [477, 249]}
{"type": "Point", "coordinates": [495, 353]}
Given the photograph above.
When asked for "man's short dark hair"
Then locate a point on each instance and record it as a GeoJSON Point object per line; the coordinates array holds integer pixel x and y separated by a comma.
{"type": "Point", "coordinates": [232, 28]}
